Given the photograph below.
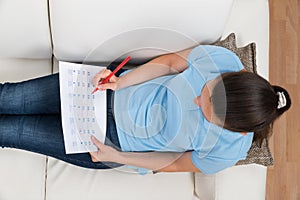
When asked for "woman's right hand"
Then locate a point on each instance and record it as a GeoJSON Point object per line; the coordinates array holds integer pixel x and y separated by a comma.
{"type": "Point", "coordinates": [100, 76]}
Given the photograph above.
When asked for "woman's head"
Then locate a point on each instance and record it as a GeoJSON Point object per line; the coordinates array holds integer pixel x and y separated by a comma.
{"type": "Point", "coordinates": [246, 102]}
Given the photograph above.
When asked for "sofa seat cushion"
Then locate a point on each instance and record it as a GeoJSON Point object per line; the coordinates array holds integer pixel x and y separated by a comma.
{"type": "Point", "coordinates": [14, 70]}
{"type": "Point", "coordinates": [65, 181]}
{"type": "Point", "coordinates": [22, 175]}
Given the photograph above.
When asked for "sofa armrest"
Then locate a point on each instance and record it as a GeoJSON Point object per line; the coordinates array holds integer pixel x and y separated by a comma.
{"type": "Point", "coordinates": [245, 182]}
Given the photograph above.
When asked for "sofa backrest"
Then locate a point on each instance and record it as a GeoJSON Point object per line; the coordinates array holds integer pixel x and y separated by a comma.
{"type": "Point", "coordinates": [93, 30]}
{"type": "Point", "coordinates": [24, 29]}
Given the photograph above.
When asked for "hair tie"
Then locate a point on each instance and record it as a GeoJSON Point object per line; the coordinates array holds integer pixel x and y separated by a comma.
{"type": "Point", "coordinates": [282, 100]}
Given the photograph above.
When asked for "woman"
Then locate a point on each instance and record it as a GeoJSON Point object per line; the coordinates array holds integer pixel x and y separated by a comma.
{"type": "Point", "coordinates": [195, 110]}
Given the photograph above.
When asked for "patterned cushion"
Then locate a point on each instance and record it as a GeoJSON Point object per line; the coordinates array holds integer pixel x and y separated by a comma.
{"type": "Point", "coordinates": [258, 153]}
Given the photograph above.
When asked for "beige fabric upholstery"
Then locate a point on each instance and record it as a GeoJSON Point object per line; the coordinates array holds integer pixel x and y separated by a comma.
{"type": "Point", "coordinates": [24, 31]}
{"type": "Point", "coordinates": [250, 26]}
{"type": "Point", "coordinates": [22, 172]}
{"type": "Point", "coordinates": [14, 70]}
{"type": "Point", "coordinates": [71, 182]}
{"type": "Point", "coordinates": [235, 183]}
{"type": "Point", "coordinates": [22, 175]}
{"type": "Point", "coordinates": [116, 27]}
{"type": "Point", "coordinates": [87, 30]}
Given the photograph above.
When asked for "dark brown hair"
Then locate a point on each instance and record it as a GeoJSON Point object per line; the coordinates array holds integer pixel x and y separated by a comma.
{"type": "Point", "coordinates": [247, 102]}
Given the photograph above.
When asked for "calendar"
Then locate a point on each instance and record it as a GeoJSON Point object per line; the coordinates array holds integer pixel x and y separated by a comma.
{"type": "Point", "coordinates": [83, 113]}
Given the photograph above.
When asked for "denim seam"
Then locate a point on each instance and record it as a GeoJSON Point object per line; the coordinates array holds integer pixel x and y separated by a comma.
{"type": "Point", "coordinates": [23, 99]}
{"type": "Point", "coordinates": [20, 130]}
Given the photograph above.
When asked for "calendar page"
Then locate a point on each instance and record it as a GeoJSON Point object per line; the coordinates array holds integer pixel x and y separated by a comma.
{"type": "Point", "coordinates": [83, 113]}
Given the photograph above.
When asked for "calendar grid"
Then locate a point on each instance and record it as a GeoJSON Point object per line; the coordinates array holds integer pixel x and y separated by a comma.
{"type": "Point", "coordinates": [83, 113]}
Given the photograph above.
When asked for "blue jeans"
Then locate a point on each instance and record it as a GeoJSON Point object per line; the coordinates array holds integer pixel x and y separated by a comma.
{"type": "Point", "coordinates": [30, 119]}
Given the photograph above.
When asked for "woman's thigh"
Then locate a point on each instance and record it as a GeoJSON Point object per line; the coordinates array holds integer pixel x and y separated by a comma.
{"type": "Point", "coordinates": [42, 134]}
{"type": "Point", "coordinates": [35, 96]}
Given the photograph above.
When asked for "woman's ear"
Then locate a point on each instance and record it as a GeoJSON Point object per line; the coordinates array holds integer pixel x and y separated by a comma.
{"type": "Point", "coordinates": [197, 101]}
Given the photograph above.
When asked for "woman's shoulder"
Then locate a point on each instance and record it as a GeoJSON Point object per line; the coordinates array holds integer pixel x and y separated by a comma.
{"type": "Point", "coordinates": [212, 60]}
{"type": "Point", "coordinates": [211, 50]}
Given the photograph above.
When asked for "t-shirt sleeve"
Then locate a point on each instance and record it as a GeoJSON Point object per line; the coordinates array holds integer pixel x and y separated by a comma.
{"type": "Point", "coordinates": [210, 164]}
{"type": "Point", "coordinates": [229, 148]}
{"type": "Point", "coordinates": [210, 61]}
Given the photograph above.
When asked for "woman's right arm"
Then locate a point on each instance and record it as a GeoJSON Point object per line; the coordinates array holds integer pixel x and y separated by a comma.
{"type": "Point", "coordinates": [163, 65]}
{"type": "Point", "coordinates": [156, 161]}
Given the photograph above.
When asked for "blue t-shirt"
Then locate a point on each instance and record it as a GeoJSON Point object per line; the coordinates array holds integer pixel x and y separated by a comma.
{"type": "Point", "coordinates": [160, 114]}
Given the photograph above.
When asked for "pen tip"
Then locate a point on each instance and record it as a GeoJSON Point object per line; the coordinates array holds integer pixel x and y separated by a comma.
{"type": "Point", "coordinates": [94, 90]}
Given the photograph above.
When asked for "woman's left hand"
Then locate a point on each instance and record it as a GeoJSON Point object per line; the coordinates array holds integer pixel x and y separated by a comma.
{"type": "Point", "coordinates": [104, 153]}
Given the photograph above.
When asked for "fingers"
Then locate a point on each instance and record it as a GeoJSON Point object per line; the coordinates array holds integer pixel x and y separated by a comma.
{"type": "Point", "coordinates": [95, 153]}
{"type": "Point", "coordinates": [94, 159]}
{"type": "Point", "coordinates": [96, 142]}
{"type": "Point", "coordinates": [104, 153]}
{"type": "Point", "coordinates": [111, 86]}
{"type": "Point", "coordinates": [99, 76]}
{"type": "Point", "coordinates": [93, 156]}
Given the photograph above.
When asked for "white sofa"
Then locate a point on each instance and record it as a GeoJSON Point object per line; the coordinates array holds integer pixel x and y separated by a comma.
{"type": "Point", "coordinates": [34, 34]}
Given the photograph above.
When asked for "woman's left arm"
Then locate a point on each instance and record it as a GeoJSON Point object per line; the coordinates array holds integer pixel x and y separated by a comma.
{"type": "Point", "coordinates": [156, 161]}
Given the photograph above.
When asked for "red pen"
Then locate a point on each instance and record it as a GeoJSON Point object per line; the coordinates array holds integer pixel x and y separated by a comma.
{"type": "Point", "coordinates": [113, 73]}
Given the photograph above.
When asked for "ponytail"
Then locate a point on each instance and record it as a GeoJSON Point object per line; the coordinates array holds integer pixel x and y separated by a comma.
{"type": "Point", "coordinates": [284, 101]}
